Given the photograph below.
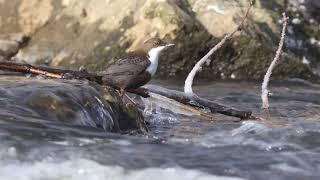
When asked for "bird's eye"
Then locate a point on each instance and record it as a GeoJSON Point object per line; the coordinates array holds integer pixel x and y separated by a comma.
{"type": "Point", "coordinates": [158, 43]}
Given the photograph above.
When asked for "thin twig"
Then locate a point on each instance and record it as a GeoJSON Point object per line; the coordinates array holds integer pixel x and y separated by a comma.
{"type": "Point", "coordinates": [266, 79]}
{"type": "Point", "coordinates": [26, 68]}
{"type": "Point", "coordinates": [197, 67]}
{"type": "Point", "coordinates": [49, 72]}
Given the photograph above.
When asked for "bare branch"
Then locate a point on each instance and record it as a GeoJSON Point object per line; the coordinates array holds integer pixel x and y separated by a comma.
{"type": "Point", "coordinates": [194, 101]}
{"type": "Point", "coordinates": [26, 68]}
{"type": "Point", "coordinates": [48, 72]}
{"type": "Point", "coordinates": [266, 79]}
{"type": "Point", "coordinates": [197, 67]}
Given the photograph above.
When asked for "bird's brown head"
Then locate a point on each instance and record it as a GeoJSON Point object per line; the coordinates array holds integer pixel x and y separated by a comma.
{"type": "Point", "coordinates": [154, 43]}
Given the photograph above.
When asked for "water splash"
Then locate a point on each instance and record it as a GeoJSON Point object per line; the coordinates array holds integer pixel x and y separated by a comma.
{"type": "Point", "coordinates": [79, 169]}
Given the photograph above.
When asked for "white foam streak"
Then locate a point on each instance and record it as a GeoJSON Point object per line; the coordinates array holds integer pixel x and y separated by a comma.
{"type": "Point", "coordinates": [82, 169]}
{"type": "Point", "coordinates": [158, 101]}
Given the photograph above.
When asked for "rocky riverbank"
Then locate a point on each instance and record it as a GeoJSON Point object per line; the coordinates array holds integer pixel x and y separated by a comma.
{"type": "Point", "coordinates": [72, 33]}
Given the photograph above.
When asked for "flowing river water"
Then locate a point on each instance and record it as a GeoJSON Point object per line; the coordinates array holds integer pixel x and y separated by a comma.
{"type": "Point", "coordinates": [286, 145]}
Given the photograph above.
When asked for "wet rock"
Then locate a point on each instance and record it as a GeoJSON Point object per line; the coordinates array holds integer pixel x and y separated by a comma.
{"type": "Point", "coordinates": [67, 102]}
{"type": "Point", "coordinates": [73, 33]}
{"type": "Point", "coordinates": [10, 44]}
{"type": "Point", "coordinates": [8, 48]}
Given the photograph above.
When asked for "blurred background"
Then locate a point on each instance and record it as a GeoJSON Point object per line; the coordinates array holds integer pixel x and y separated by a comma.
{"type": "Point", "coordinates": [73, 33]}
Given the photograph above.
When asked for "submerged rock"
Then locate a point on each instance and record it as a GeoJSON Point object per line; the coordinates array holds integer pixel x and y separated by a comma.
{"type": "Point", "coordinates": [68, 102]}
{"type": "Point", "coordinates": [73, 33]}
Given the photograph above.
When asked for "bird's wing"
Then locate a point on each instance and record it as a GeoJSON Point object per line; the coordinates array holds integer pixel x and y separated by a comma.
{"type": "Point", "coordinates": [130, 66]}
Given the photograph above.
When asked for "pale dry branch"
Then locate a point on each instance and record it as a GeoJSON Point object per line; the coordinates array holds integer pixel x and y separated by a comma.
{"type": "Point", "coordinates": [266, 79]}
{"type": "Point", "coordinates": [189, 80]}
{"type": "Point", "coordinates": [169, 103]}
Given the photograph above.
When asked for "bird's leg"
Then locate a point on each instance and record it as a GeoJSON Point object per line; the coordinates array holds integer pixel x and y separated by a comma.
{"type": "Point", "coordinates": [130, 100]}
{"type": "Point", "coordinates": [122, 92]}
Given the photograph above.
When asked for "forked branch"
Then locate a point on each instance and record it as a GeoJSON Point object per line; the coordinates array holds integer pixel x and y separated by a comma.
{"type": "Point", "coordinates": [197, 67]}
{"type": "Point", "coordinates": [49, 72]}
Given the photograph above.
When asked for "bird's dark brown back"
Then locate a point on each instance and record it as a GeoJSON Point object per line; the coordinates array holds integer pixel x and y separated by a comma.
{"type": "Point", "coordinates": [129, 70]}
{"type": "Point", "coordinates": [124, 70]}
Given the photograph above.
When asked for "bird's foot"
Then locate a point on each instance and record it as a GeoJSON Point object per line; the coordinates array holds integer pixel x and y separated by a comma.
{"type": "Point", "coordinates": [131, 101]}
{"type": "Point", "coordinates": [121, 92]}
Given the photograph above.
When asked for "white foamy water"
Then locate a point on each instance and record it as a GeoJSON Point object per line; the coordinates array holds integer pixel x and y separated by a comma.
{"type": "Point", "coordinates": [83, 169]}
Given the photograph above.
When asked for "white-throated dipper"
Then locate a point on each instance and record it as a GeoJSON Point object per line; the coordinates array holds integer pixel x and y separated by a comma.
{"type": "Point", "coordinates": [136, 68]}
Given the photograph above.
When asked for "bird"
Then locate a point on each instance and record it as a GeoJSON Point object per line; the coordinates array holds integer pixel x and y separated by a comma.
{"type": "Point", "coordinates": [135, 68]}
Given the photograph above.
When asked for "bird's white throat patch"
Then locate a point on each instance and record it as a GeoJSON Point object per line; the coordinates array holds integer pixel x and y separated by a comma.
{"type": "Point", "coordinates": [154, 54]}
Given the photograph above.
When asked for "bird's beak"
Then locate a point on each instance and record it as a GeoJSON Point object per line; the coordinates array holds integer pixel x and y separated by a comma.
{"type": "Point", "coordinates": [169, 45]}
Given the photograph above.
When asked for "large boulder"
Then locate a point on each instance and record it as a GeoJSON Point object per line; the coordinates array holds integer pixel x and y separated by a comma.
{"type": "Point", "coordinates": [80, 103]}
{"type": "Point", "coordinates": [73, 33]}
